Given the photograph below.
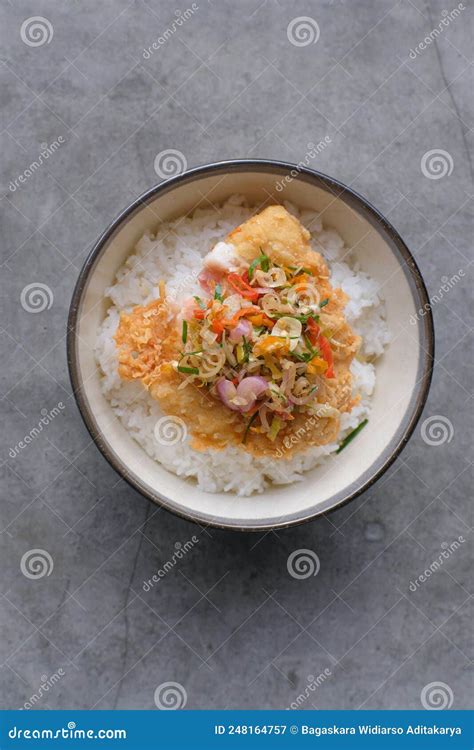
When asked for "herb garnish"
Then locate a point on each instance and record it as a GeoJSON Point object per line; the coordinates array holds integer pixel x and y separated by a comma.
{"type": "Point", "coordinates": [247, 348]}
{"type": "Point", "coordinates": [351, 435]}
{"type": "Point", "coordinates": [200, 302]}
{"type": "Point", "coordinates": [263, 261]}
{"type": "Point", "coordinates": [249, 424]}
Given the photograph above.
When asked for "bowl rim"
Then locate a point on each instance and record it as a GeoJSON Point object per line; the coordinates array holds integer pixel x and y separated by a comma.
{"type": "Point", "coordinates": [351, 198]}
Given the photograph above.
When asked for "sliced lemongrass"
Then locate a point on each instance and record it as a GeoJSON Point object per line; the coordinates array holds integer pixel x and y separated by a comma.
{"type": "Point", "coordinates": [273, 278]}
{"type": "Point", "coordinates": [289, 328]}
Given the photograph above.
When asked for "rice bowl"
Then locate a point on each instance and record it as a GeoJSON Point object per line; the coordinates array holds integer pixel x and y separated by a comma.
{"type": "Point", "coordinates": [174, 254]}
{"type": "Point", "coordinates": [403, 372]}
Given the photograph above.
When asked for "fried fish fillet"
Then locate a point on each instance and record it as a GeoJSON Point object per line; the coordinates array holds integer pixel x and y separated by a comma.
{"type": "Point", "coordinates": [148, 341]}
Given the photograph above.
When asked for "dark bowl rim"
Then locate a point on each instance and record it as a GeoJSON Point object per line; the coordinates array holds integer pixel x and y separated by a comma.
{"type": "Point", "coordinates": [339, 190]}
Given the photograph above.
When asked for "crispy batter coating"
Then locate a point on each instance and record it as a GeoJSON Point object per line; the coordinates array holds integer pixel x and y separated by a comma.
{"type": "Point", "coordinates": [148, 340]}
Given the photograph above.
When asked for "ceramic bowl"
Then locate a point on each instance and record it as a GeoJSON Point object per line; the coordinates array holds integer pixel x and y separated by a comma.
{"type": "Point", "coordinates": [403, 372]}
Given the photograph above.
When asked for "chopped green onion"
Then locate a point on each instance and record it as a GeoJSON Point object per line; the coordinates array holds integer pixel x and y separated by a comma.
{"type": "Point", "coordinates": [252, 268]}
{"type": "Point", "coordinates": [200, 302]}
{"type": "Point", "coordinates": [263, 261]}
{"type": "Point", "coordinates": [247, 349]}
{"type": "Point", "coordinates": [188, 354]}
{"type": "Point", "coordinates": [248, 426]}
{"type": "Point", "coordinates": [351, 435]}
{"type": "Point", "coordinates": [305, 318]}
{"type": "Point", "coordinates": [299, 357]}
{"type": "Point", "coordinates": [324, 302]}
{"type": "Point", "coordinates": [308, 343]}
{"type": "Point", "coordinates": [218, 293]}
{"type": "Point", "coordinates": [301, 318]}
{"type": "Point", "coordinates": [304, 357]}
{"type": "Point", "coordinates": [188, 370]}
{"type": "Point", "coordinates": [184, 334]}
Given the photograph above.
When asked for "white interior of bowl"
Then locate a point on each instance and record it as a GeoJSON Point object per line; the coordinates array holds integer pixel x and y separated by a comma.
{"type": "Point", "coordinates": [396, 370]}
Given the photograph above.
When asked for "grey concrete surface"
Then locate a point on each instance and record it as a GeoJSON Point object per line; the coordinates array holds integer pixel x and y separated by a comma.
{"type": "Point", "coordinates": [228, 623]}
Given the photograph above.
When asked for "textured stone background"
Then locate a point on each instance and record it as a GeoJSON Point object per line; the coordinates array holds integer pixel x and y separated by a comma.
{"type": "Point", "coordinates": [228, 623]}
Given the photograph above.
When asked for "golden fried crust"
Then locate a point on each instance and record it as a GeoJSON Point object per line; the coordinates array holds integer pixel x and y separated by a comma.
{"type": "Point", "coordinates": [148, 341]}
{"type": "Point", "coordinates": [215, 426]}
{"type": "Point", "coordinates": [210, 423]}
{"type": "Point", "coordinates": [145, 338]}
{"type": "Point", "coordinates": [279, 235]}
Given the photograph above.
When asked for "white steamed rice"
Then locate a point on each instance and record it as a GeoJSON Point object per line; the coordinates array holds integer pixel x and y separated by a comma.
{"type": "Point", "coordinates": [174, 253]}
